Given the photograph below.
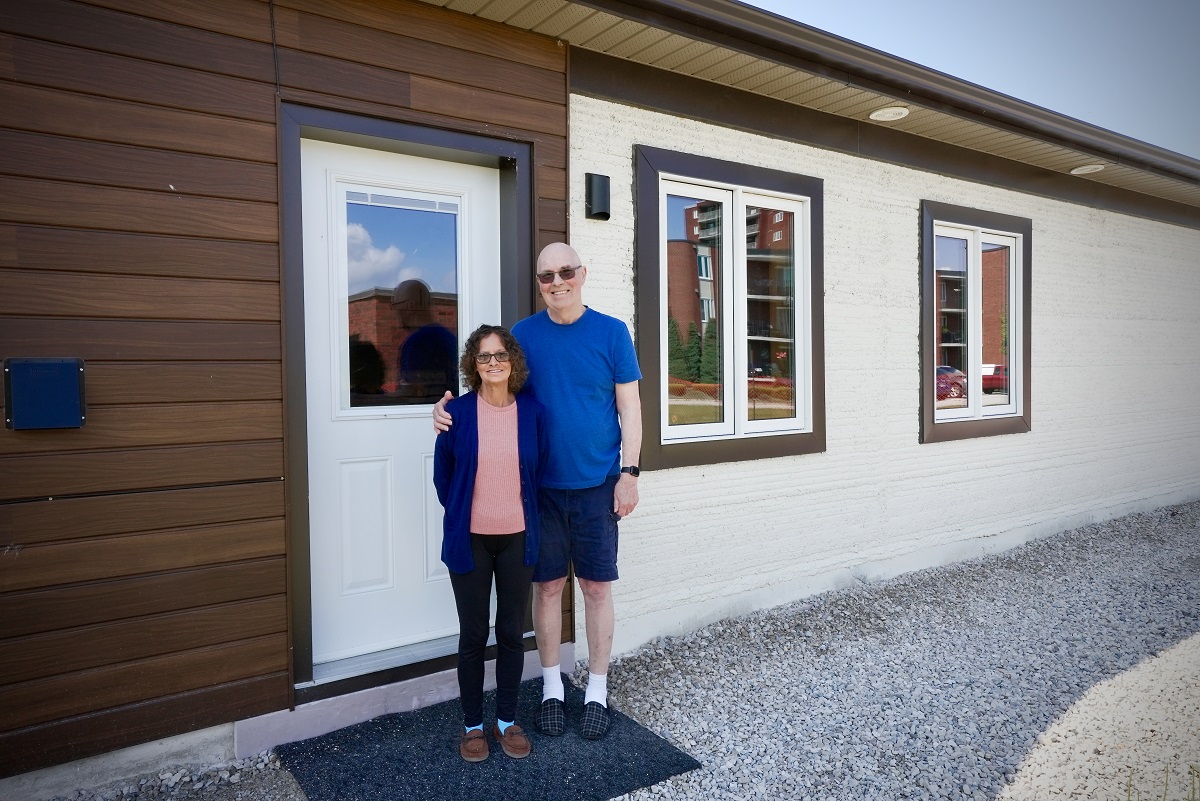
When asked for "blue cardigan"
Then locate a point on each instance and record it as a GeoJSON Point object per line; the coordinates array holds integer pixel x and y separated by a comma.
{"type": "Point", "coordinates": [455, 461]}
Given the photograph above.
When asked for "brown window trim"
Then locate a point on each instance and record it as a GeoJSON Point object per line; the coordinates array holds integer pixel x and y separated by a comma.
{"type": "Point", "coordinates": [649, 162]}
{"type": "Point", "coordinates": [932, 212]}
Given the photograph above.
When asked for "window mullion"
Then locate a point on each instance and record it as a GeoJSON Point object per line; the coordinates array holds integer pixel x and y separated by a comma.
{"type": "Point", "coordinates": [733, 346]}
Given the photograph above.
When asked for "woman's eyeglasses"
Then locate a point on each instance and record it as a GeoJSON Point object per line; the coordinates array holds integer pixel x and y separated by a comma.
{"type": "Point", "coordinates": [566, 273]}
{"type": "Point", "coordinates": [484, 358]}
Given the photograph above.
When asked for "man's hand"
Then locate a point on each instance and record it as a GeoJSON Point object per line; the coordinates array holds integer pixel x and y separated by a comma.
{"type": "Point", "coordinates": [443, 421]}
{"type": "Point", "coordinates": [625, 496]}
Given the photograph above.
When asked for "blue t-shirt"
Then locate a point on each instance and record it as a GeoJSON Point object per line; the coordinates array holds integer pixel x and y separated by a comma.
{"type": "Point", "coordinates": [573, 372]}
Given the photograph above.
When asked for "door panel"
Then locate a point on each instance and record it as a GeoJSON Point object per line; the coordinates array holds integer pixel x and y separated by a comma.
{"type": "Point", "coordinates": [401, 261]}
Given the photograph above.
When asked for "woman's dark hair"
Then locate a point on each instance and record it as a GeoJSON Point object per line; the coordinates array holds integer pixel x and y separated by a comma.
{"type": "Point", "coordinates": [516, 358]}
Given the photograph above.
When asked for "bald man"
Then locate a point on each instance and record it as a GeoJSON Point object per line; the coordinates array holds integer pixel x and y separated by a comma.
{"type": "Point", "coordinates": [583, 369]}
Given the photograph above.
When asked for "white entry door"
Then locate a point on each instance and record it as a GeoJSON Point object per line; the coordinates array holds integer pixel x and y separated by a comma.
{"type": "Point", "coordinates": [401, 262]}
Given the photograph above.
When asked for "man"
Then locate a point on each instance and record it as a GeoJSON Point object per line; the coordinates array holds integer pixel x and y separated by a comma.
{"type": "Point", "coordinates": [583, 369]}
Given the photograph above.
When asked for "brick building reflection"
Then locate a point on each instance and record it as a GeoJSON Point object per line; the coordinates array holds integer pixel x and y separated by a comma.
{"type": "Point", "coordinates": [377, 321]}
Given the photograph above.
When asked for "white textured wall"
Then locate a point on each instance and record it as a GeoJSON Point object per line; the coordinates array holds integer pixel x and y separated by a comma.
{"type": "Point", "coordinates": [1115, 410]}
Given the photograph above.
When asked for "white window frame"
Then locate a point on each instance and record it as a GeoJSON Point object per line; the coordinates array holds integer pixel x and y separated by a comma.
{"type": "Point", "coordinates": [976, 238]}
{"type": "Point", "coordinates": [704, 267]}
{"type": "Point", "coordinates": [739, 202]}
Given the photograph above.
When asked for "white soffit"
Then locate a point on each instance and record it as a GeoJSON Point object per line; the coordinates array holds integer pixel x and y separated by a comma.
{"type": "Point", "coordinates": [613, 35]}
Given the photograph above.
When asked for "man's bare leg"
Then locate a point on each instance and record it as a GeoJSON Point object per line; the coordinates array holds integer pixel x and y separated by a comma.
{"type": "Point", "coordinates": [599, 621]}
{"type": "Point", "coordinates": [547, 619]}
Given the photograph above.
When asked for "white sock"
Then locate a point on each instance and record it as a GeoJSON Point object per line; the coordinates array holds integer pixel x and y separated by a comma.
{"type": "Point", "coordinates": [552, 686]}
{"type": "Point", "coordinates": [597, 689]}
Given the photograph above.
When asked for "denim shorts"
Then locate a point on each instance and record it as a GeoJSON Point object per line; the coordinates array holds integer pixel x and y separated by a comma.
{"type": "Point", "coordinates": [580, 527]}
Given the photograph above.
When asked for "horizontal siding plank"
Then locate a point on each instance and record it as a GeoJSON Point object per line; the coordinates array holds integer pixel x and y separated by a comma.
{"type": "Point", "coordinates": [60, 294]}
{"type": "Point", "coordinates": [138, 36]}
{"type": "Point", "coordinates": [42, 700]}
{"type": "Point", "coordinates": [552, 215]}
{"type": "Point", "coordinates": [135, 340]}
{"type": "Point", "coordinates": [455, 100]}
{"type": "Point", "coordinates": [113, 557]}
{"type": "Point", "coordinates": [401, 54]}
{"type": "Point", "coordinates": [75, 160]}
{"type": "Point", "coordinates": [342, 78]}
{"type": "Point", "coordinates": [37, 611]}
{"type": "Point", "coordinates": [56, 475]}
{"type": "Point", "coordinates": [547, 149]}
{"type": "Point", "coordinates": [112, 427]}
{"type": "Point", "coordinates": [84, 735]}
{"type": "Point", "coordinates": [551, 182]}
{"type": "Point", "coordinates": [27, 658]}
{"type": "Point", "coordinates": [106, 515]}
{"type": "Point", "coordinates": [91, 73]}
{"type": "Point", "coordinates": [421, 21]}
{"type": "Point", "coordinates": [109, 383]}
{"type": "Point", "coordinates": [83, 206]}
{"type": "Point", "coordinates": [32, 108]}
{"type": "Point", "coordinates": [544, 238]}
{"type": "Point", "coordinates": [37, 248]}
{"type": "Point", "coordinates": [550, 151]}
{"type": "Point", "coordinates": [248, 20]}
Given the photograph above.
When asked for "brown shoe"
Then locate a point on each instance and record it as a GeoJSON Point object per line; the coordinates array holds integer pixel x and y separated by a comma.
{"type": "Point", "coordinates": [513, 741]}
{"type": "Point", "coordinates": [473, 746]}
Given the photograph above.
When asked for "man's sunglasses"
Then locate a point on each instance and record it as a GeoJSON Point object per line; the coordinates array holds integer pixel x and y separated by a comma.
{"type": "Point", "coordinates": [566, 273]}
{"type": "Point", "coordinates": [484, 358]}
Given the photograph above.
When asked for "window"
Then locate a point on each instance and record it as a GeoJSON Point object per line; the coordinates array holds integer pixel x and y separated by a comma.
{"type": "Point", "coordinates": [975, 277]}
{"type": "Point", "coordinates": [732, 348]}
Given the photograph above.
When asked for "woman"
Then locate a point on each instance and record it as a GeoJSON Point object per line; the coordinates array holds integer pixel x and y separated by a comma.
{"type": "Point", "coordinates": [487, 469]}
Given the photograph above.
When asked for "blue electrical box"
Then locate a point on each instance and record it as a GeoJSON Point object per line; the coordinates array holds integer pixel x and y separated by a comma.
{"type": "Point", "coordinates": [43, 393]}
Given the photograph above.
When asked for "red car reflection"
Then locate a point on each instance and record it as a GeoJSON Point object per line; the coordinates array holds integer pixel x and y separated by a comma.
{"type": "Point", "coordinates": [951, 383]}
{"type": "Point", "coordinates": [997, 380]}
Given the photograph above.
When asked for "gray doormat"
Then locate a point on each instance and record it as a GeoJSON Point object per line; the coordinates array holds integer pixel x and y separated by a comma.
{"type": "Point", "coordinates": [414, 756]}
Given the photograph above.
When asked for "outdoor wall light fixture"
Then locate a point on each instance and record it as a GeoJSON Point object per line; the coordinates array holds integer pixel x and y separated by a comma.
{"type": "Point", "coordinates": [889, 114]}
{"type": "Point", "coordinates": [1087, 168]}
{"type": "Point", "coordinates": [596, 196]}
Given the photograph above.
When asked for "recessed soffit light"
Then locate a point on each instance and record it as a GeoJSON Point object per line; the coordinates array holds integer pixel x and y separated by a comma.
{"type": "Point", "coordinates": [889, 114]}
{"type": "Point", "coordinates": [1087, 168]}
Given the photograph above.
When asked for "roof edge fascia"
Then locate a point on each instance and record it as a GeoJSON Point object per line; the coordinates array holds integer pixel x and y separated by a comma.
{"type": "Point", "coordinates": [760, 33]}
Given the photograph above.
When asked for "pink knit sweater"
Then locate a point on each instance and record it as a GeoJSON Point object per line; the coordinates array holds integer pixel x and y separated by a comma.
{"type": "Point", "coordinates": [496, 504]}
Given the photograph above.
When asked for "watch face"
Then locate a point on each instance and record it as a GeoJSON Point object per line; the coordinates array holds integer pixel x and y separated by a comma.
{"type": "Point", "coordinates": [633, 471]}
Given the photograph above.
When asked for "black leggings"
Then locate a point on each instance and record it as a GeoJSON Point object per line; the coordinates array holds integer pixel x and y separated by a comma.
{"type": "Point", "coordinates": [504, 556]}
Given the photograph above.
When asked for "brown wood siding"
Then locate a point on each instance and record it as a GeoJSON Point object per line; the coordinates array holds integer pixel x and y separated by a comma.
{"type": "Point", "coordinates": [82, 735]}
{"type": "Point", "coordinates": [143, 574]}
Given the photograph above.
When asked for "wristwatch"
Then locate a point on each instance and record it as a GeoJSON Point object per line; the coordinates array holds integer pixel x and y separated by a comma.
{"type": "Point", "coordinates": [632, 470]}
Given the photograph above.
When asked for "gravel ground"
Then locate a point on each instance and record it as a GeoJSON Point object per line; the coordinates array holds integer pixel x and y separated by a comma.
{"type": "Point", "coordinates": [934, 685]}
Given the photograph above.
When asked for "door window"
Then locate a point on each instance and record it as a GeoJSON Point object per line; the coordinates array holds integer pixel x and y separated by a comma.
{"type": "Point", "coordinates": [401, 296]}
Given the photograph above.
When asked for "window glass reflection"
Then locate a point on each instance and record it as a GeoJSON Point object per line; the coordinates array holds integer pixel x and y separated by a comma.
{"type": "Point", "coordinates": [994, 282]}
{"type": "Point", "coordinates": [402, 298]}
{"type": "Point", "coordinates": [694, 334]}
{"type": "Point", "coordinates": [770, 314]}
{"type": "Point", "coordinates": [950, 300]}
